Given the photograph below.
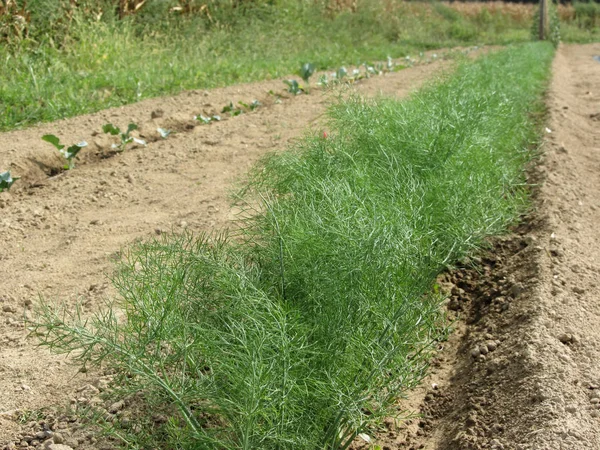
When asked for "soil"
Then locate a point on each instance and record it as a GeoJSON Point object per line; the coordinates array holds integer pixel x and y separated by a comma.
{"type": "Point", "coordinates": [522, 369]}
{"type": "Point", "coordinates": [61, 231]}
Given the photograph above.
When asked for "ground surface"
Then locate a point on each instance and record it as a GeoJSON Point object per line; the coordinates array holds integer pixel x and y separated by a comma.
{"type": "Point", "coordinates": [60, 235]}
{"type": "Point", "coordinates": [522, 369]}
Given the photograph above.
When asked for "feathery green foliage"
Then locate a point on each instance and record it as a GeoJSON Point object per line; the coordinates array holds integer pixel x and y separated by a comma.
{"type": "Point", "coordinates": [304, 330]}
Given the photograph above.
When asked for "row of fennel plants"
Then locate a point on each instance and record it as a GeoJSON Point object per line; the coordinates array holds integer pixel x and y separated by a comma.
{"type": "Point", "coordinates": [301, 330]}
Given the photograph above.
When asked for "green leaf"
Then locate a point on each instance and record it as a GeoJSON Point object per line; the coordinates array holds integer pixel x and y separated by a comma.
{"type": "Point", "coordinates": [111, 129]}
{"type": "Point", "coordinates": [255, 104]}
{"type": "Point", "coordinates": [293, 86]}
{"type": "Point", "coordinates": [341, 73]}
{"type": "Point", "coordinates": [203, 119]}
{"type": "Point", "coordinates": [306, 71]}
{"type": "Point", "coordinates": [130, 128]}
{"type": "Point", "coordinates": [6, 181]}
{"type": "Point", "coordinates": [227, 108]}
{"type": "Point", "coordinates": [72, 151]}
{"type": "Point", "coordinates": [52, 139]}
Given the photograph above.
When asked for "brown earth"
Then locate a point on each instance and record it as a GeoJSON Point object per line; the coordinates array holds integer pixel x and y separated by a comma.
{"type": "Point", "coordinates": [60, 234]}
{"type": "Point", "coordinates": [522, 370]}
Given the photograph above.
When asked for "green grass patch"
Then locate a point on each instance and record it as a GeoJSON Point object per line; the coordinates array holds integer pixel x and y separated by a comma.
{"type": "Point", "coordinates": [95, 61]}
{"type": "Point", "coordinates": [302, 330]}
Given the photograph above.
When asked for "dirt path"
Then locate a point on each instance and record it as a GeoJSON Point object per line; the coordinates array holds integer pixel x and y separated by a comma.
{"type": "Point", "coordinates": [523, 369]}
{"type": "Point", "coordinates": [59, 235]}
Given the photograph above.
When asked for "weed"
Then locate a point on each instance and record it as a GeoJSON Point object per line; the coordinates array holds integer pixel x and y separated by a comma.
{"type": "Point", "coordinates": [125, 137]}
{"type": "Point", "coordinates": [69, 153]}
{"type": "Point", "coordinates": [30, 415]}
{"type": "Point", "coordinates": [6, 181]}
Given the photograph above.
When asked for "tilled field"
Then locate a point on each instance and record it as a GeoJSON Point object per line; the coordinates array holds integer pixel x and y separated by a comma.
{"type": "Point", "coordinates": [521, 369]}
{"type": "Point", "coordinates": [60, 234]}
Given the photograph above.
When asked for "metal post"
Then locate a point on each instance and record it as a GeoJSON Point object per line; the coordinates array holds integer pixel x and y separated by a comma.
{"type": "Point", "coordinates": [543, 19]}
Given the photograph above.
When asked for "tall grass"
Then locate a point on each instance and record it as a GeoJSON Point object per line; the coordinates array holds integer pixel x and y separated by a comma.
{"type": "Point", "coordinates": [302, 331]}
{"type": "Point", "coordinates": [84, 60]}
{"type": "Point", "coordinates": [587, 14]}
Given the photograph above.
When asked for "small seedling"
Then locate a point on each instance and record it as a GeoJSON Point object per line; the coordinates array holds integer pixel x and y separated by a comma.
{"type": "Point", "coordinates": [6, 181]}
{"type": "Point", "coordinates": [293, 87]}
{"type": "Point", "coordinates": [306, 71]}
{"type": "Point", "coordinates": [341, 73]}
{"type": "Point", "coordinates": [252, 106]}
{"type": "Point", "coordinates": [207, 120]}
{"type": "Point", "coordinates": [323, 81]}
{"type": "Point", "coordinates": [125, 137]}
{"type": "Point", "coordinates": [69, 153]}
{"type": "Point", "coordinates": [231, 109]}
{"type": "Point", "coordinates": [163, 133]}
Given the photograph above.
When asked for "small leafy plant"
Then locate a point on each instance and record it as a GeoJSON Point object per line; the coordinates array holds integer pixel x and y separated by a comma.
{"type": "Point", "coordinates": [6, 181]}
{"type": "Point", "coordinates": [232, 109]}
{"type": "Point", "coordinates": [68, 153]}
{"type": "Point", "coordinates": [341, 73]}
{"type": "Point", "coordinates": [306, 71]}
{"type": "Point", "coordinates": [293, 87]}
{"type": "Point", "coordinates": [252, 106]}
{"type": "Point", "coordinates": [207, 120]}
{"type": "Point", "coordinates": [126, 137]}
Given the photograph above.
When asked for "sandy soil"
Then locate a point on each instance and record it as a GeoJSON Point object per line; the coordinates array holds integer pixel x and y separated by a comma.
{"type": "Point", "coordinates": [522, 370]}
{"type": "Point", "coordinates": [60, 235]}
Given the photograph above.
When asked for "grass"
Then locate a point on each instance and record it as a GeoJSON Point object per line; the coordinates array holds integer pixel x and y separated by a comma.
{"type": "Point", "coordinates": [578, 21]}
{"type": "Point", "coordinates": [303, 329]}
{"type": "Point", "coordinates": [586, 23]}
{"type": "Point", "coordinates": [68, 68]}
